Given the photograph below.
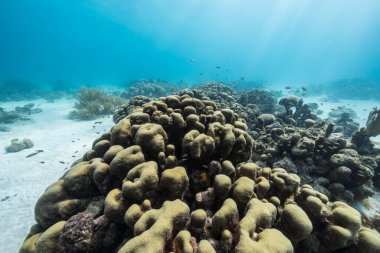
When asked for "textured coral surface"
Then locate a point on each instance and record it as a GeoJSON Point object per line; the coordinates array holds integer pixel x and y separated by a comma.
{"type": "Point", "coordinates": [175, 176]}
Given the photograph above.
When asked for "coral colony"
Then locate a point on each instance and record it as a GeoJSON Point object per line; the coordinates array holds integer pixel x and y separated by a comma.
{"type": "Point", "coordinates": [209, 170]}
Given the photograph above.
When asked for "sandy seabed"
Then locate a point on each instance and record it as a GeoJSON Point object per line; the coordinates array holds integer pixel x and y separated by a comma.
{"type": "Point", "coordinates": [23, 180]}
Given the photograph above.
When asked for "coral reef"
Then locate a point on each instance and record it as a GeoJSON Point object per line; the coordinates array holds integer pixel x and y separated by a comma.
{"type": "Point", "coordinates": [361, 137]}
{"type": "Point", "coordinates": [93, 103]}
{"type": "Point", "coordinates": [362, 143]}
{"type": "Point", "coordinates": [337, 113]}
{"type": "Point", "coordinates": [27, 109]}
{"type": "Point", "coordinates": [19, 113]}
{"type": "Point", "coordinates": [346, 125]}
{"type": "Point", "coordinates": [296, 112]}
{"type": "Point", "coordinates": [355, 88]}
{"type": "Point", "coordinates": [299, 142]}
{"type": "Point", "coordinates": [18, 145]}
{"type": "Point", "coordinates": [149, 88]}
{"type": "Point", "coordinates": [373, 123]}
{"type": "Point", "coordinates": [18, 89]}
{"type": "Point", "coordinates": [247, 104]}
{"type": "Point", "coordinates": [174, 176]}
{"type": "Point", "coordinates": [4, 129]}
{"type": "Point", "coordinates": [264, 99]}
{"type": "Point", "coordinates": [10, 117]}
{"type": "Point", "coordinates": [126, 109]}
{"type": "Point", "coordinates": [220, 93]}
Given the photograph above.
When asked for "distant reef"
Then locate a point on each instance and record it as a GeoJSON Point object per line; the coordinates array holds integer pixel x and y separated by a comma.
{"type": "Point", "coordinates": [19, 89]}
{"type": "Point", "coordinates": [19, 113]}
{"type": "Point", "coordinates": [348, 88]}
{"type": "Point", "coordinates": [211, 170]}
{"type": "Point", "coordinates": [150, 88]}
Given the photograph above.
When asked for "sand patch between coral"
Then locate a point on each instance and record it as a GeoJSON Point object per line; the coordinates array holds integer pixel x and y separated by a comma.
{"type": "Point", "coordinates": [23, 180]}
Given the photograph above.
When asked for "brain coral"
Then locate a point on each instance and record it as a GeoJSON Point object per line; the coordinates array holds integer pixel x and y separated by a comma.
{"type": "Point", "coordinates": [174, 176]}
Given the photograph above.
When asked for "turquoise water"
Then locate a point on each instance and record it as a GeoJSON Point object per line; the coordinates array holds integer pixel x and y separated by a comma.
{"type": "Point", "coordinates": [96, 42]}
{"type": "Point", "coordinates": [324, 51]}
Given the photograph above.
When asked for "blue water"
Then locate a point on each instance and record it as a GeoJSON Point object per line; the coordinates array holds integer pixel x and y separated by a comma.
{"type": "Point", "coordinates": [111, 41]}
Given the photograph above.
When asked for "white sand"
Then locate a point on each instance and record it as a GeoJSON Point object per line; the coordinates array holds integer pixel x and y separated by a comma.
{"type": "Point", "coordinates": [23, 179]}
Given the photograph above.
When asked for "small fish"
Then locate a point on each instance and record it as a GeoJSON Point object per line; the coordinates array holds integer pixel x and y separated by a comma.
{"type": "Point", "coordinates": [192, 60]}
{"type": "Point", "coordinates": [332, 109]}
{"type": "Point", "coordinates": [62, 162]}
{"type": "Point", "coordinates": [35, 153]}
{"type": "Point", "coordinates": [242, 78]}
{"type": "Point", "coordinates": [303, 88]}
{"type": "Point", "coordinates": [288, 87]}
{"type": "Point", "coordinates": [200, 74]}
{"type": "Point", "coordinates": [321, 103]}
{"type": "Point", "coordinates": [218, 67]}
{"type": "Point", "coordinates": [4, 199]}
{"type": "Point", "coordinates": [42, 162]}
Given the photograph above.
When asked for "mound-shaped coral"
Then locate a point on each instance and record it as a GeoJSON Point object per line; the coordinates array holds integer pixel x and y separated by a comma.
{"type": "Point", "coordinates": [150, 88]}
{"type": "Point", "coordinates": [299, 142]}
{"type": "Point", "coordinates": [174, 176]}
{"type": "Point", "coordinates": [220, 93]}
{"type": "Point", "coordinates": [264, 99]}
{"type": "Point", "coordinates": [126, 109]}
{"type": "Point", "coordinates": [18, 145]}
{"type": "Point", "coordinates": [224, 97]}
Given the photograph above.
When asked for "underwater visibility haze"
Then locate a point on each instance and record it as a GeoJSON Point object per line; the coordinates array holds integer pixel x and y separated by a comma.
{"type": "Point", "coordinates": [112, 41]}
{"type": "Point", "coordinates": [192, 126]}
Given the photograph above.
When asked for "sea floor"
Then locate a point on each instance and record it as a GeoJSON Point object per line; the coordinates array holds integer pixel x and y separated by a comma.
{"type": "Point", "coordinates": [23, 180]}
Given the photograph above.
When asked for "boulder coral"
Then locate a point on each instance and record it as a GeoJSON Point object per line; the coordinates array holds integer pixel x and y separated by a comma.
{"type": "Point", "coordinates": [155, 183]}
{"type": "Point", "coordinates": [300, 143]}
{"type": "Point", "coordinates": [148, 87]}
